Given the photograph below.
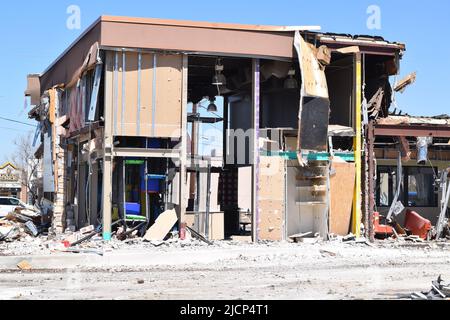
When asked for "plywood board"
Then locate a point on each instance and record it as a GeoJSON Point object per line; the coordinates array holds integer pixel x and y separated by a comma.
{"type": "Point", "coordinates": [245, 189]}
{"type": "Point", "coordinates": [342, 186]}
{"type": "Point", "coordinates": [131, 94]}
{"type": "Point", "coordinates": [216, 224]}
{"type": "Point", "coordinates": [162, 226]}
{"type": "Point", "coordinates": [146, 100]}
{"type": "Point", "coordinates": [271, 198]}
{"type": "Point", "coordinates": [293, 225]}
{"type": "Point", "coordinates": [214, 204]}
{"type": "Point", "coordinates": [271, 179]}
{"type": "Point", "coordinates": [168, 96]}
{"type": "Point", "coordinates": [118, 83]}
{"type": "Point", "coordinates": [271, 224]}
{"type": "Point", "coordinates": [314, 81]}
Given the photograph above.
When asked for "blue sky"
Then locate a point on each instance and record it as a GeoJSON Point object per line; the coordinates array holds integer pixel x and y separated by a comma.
{"type": "Point", "coordinates": [34, 33]}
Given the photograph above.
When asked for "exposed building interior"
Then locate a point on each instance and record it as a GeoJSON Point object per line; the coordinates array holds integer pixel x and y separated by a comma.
{"type": "Point", "coordinates": [264, 141]}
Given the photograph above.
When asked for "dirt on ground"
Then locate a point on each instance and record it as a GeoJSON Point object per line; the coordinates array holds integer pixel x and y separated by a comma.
{"type": "Point", "coordinates": [228, 270]}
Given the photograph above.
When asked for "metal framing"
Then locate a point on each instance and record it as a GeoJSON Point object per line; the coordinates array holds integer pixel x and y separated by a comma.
{"type": "Point", "coordinates": [183, 152]}
{"type": "Point", "coordinates": [256, 155]}
{"type": "Point", "coordinates": [146, 153]}
{"type": "Point", "coordinates": [155, 65]}
{"type": "Point", "coordinates": [116, 90]}
{"type": "Point", "coordinates": [138, 111]}
{"type": "Point", "coordinates": [124, 73]}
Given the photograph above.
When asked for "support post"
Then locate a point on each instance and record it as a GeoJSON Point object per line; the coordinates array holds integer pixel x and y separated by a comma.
{"type": "Point", "coordinates": [356, 219]}
{"type": "Point", "coordinates": [183, 154]}
{"type": "Point", "coordinates": [208, 201]}
{"type": "Point", "coordinates": [108, 144]}
{"type": "Point", "coordinates": [255, 147]}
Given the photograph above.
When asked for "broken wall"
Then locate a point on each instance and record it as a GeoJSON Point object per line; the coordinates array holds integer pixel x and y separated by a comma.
{"type": "Point", "coordinates": [147, 94]}
{"type": "Point", "coordinates": [430, 213]}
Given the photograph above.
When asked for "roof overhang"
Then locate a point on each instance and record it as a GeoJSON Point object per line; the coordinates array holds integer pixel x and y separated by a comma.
{"type": "Point", "coordinates": [368, 45]}
{"type": "Point", "coordinates": [224, 39]}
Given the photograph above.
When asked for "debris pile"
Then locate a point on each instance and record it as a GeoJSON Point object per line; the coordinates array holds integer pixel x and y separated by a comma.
{"type": "Point", "coordinates": [21, 223]}
{"type": "Point", "coordinates": [415, 229]}
{"type": "Point", "coordinates": [439, 291]}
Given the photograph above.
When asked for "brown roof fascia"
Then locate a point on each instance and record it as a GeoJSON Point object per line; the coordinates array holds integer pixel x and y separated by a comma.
{"type": "Point", "coordinates": [213, 41]}
{"type": "Point", "coordinates": [63, 69]}
{"type": "Point", "coordinates": [187, 36]}
{"type": "Point", "coordinates": [205, 25]}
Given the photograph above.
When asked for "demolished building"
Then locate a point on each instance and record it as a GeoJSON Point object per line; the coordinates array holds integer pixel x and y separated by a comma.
{"type": "Point", "coordinates": [297, 117]}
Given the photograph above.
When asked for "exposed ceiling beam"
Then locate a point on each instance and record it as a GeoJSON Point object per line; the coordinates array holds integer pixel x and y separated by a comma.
{"type": "Point", "coordinates": [412, 131]}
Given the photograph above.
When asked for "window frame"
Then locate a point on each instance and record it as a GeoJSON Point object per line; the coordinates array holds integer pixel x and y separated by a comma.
{"type": "Point", "coordinates": [404, 193]}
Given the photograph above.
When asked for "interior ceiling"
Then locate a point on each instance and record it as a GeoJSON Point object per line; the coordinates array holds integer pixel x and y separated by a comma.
{"type": "Point", "coordinates": [238, 72]}
{"type": "Point", "coordinates": [202, 69]}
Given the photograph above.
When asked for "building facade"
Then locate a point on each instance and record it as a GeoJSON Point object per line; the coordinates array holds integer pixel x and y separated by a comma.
{"type": "Point", "coordinates": [11, 182]}
{"type": "Point", "coordinates": [123, 113]}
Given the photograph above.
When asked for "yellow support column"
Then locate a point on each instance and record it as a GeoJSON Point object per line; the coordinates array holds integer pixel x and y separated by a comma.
{"type": "Point", "coordinates": [356, 220]}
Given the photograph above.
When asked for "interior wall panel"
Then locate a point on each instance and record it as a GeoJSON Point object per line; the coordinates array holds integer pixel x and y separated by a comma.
{"type": "Point", "coordinates": [144, 107]}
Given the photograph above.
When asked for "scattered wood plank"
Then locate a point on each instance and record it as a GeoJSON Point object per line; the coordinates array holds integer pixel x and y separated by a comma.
{"type": "Point", "coordinates": [402, 84]}
{"type": "Point", "coordinates": [300, 235]}
{"type": "Point", "coordinates": [24, 265]}
{"type": "Point", "coordinates": [163, 225]}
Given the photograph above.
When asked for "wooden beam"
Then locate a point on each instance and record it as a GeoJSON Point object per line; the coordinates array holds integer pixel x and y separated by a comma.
{"type": "Point", "coordinates": [356, 221]}
{"type": "Point", "coordinates": [146, 153]}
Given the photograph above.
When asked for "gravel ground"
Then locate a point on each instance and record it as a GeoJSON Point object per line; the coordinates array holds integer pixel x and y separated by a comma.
{"type": "Point", "coordinates": [230, 270]}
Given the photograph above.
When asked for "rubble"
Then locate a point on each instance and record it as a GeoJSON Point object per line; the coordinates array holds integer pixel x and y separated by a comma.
{"type": "Point", "coordinates": [439, 291]}
{"type": "Point", "coordinates": [19, 224]}
{"type": "Point", "coordinates": [90, 243]}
